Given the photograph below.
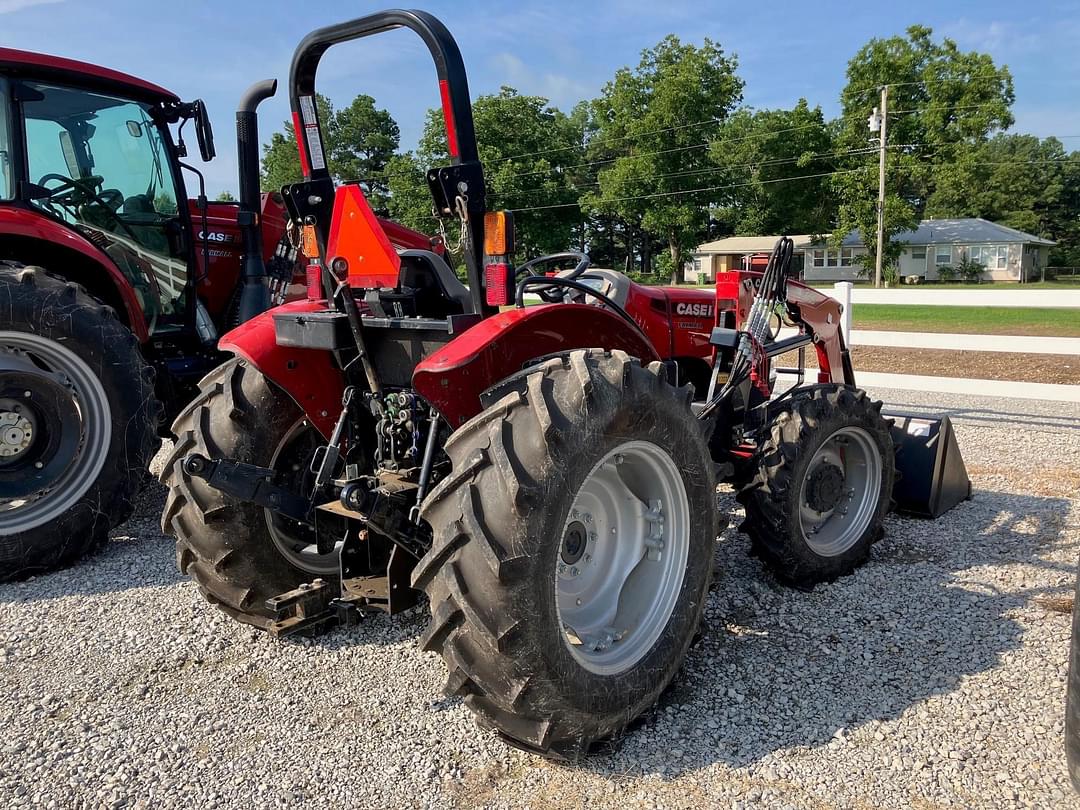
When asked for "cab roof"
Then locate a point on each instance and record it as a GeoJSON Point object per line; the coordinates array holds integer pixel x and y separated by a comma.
{"type": "Point", "coordinates": [31, 65]}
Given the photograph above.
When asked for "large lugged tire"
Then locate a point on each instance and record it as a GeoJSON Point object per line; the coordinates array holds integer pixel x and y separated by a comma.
{"type": "Point", "coordinates": [572, 552]}
{"type": "Point", "coordinates": [78, 421]}
{"type": "Point", "coordinates": [237, 552]}
{"type": "Point", "coordinates": [1072, 694]}
{"type": "Point", "coordinates": [823, 485]}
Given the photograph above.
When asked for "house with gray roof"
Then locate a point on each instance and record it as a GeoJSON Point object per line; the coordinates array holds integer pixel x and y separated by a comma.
{"type": "Point", "coordinates": [1006, 253]}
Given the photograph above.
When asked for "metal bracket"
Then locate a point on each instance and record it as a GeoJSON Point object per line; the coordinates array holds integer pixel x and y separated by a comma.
{"type": "Point", "coordinates": [248, 482]}
{"type": "Point", "coordinates": [306, 608]}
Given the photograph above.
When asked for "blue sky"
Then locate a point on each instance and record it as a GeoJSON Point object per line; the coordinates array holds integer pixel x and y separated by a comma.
{"type": "Point", "coordinates": [562, 50]}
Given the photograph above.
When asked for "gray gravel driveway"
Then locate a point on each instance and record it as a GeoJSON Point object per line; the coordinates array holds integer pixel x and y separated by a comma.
{"type": "Point", "coordinates": [933, 677]}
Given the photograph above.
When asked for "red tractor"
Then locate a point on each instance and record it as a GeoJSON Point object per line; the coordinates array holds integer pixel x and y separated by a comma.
{"type": "Point", "coordinates": [108, 274]}
{"type": "Point", "coordinates": [545, 474]}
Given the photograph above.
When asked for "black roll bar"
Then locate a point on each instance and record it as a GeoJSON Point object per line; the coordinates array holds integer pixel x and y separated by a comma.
{"type": "Point", "coordinates": [453, 91]}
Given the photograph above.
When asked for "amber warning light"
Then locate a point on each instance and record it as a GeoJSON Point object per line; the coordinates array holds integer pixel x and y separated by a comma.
{"type": "Point", "coordinates": [498, 233]}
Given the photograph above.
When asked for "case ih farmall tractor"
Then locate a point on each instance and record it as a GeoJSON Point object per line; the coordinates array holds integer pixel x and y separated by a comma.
{"type": "Point", "coordinates": [108, 274]}
{"type": "Point", "coordinates": [545, 474]}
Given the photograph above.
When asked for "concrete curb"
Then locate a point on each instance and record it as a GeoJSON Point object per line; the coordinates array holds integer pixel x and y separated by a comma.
{"type": "Point", "coordinates": [953, 385]}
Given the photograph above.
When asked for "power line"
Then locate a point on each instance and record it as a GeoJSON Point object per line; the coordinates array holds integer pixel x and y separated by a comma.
{"type": "Point", "coordinates": [714, 169]}
{"type": "Point", "coordinates": [689, 191]}
{"type": "Point", "coordinates": [620, 138]}
{"type": "Point", "coordinates": [978, 78]}
{"type": "Point", "coordinates": [767, 182]}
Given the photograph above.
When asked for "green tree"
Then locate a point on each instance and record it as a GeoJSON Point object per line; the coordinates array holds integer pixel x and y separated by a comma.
{"type": "Point", "coordinates": [526, 147]}
{"type": "Point", "coordinates": [647, 115]}
{"type": "Point", "coordinates": [1019, 181]}
{"type": "Point", "coordinates": [943, 102]}
{"type": "Point", "coordinates": [764, 153]}
{"type": "Point", "coordinates": [359, 141]}
{"type": "Point", "coordinates": [226, 196]}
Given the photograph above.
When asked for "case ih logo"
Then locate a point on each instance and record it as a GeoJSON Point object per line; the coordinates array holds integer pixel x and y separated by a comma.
{"type": "Point", "coordinates": [216, 236]}
{"type": "Point", "coordinates": [700, 310]}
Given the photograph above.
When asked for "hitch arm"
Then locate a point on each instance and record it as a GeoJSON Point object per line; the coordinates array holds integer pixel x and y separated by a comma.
{"type": "Point", "coordinates": [248, 482]}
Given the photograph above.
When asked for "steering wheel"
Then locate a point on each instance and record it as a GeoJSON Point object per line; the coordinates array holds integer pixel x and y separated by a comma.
{"type": "Point", "coordinates": [554, 294]}
{"type": "Point", "coordinates": [110, 200]}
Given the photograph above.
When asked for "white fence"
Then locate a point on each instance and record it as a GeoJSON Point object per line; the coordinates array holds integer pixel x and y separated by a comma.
{"type": "Point", "coordinates": [1014, 297]}
{"type": "Point", "coordinates": [849, 296]}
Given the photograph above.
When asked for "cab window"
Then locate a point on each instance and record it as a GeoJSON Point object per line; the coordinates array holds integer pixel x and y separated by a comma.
{"type": "Point", "coordinates": [7, 182]}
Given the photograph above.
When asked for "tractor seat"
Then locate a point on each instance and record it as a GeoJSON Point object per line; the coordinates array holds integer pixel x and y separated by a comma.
{"type": "Point", "coordinates": [438, 291]}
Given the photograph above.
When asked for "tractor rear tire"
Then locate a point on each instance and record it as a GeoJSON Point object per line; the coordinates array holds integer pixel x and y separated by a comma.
{"type": "Point", "coordinates": [224, 544]}
{"type": "Point", "coordinates": [828, 455]}
{"type": "Point", "coordinates": [517, 502]}
{"type": "Point", "coordinates": [78, 421]}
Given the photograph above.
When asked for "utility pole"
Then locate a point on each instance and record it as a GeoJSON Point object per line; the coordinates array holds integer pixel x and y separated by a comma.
{"type": "Point", "coordinates": [879, 123]}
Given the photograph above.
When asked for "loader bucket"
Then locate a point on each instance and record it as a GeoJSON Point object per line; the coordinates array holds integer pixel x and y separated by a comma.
{"type": "Point", "coordinates": [931, 478]}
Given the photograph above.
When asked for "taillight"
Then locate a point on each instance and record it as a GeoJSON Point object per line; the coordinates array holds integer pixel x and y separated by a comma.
{"type": "Point", "coordinates": [314, 281]}
{"type": "Point", "coordinates": [498, 284]}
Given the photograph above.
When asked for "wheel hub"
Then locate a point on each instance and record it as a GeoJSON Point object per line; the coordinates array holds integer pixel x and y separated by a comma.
{"type": "Point", "coordinates": [55, 429]}
{"type": "Point", "coordinates": [16, 433]}
{"type": "Point", "coordinates": [622, 557]}
{"type": "Point", "coordinates": [839, 494]}
{"type": "Point", "coordinates": [575, 539]}
{"type": "Point", "coordinates": [825, 488]}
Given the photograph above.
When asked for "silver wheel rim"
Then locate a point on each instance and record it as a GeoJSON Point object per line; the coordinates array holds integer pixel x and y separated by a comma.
{"type": "Point", "coordinates": [855, 460]}
{"type": "Point", "coordinates": [54, 363]}
{"type": "Point", "coordinates": [296, 550]}
{"type": "Point", "coordinates": [622, 557]}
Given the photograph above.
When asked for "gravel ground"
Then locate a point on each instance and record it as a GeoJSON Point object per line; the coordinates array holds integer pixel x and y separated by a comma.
{"type": "Point", "coordinates": [933, 677]}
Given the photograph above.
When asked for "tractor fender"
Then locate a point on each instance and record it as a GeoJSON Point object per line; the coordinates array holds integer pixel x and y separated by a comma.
{"type": "Point", "coordinates": [37, 235]}
{"type": "Point", "coordinates": [453, 378]}
{"type": "Point", "coordinates": [309, 376]}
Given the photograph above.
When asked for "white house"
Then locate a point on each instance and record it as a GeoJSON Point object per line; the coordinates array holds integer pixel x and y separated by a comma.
{"type": "Point", "coordinates": [1006, 253]}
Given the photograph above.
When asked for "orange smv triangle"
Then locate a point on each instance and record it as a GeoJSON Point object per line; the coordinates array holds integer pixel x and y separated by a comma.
{"type": "Point", "coordinates": [357, 237]}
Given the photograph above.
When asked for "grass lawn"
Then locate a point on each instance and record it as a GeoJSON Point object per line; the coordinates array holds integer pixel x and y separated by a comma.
{"type": "Point", "coordinates": [1065, 283]}
{"type": "Point", "coordinates": [969, 320]}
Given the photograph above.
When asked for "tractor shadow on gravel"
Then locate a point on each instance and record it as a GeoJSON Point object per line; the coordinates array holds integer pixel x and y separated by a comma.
{"type": "Point", "coordinates": [779, 669]}
{"type": "Point", "coordinates": [136, 555]}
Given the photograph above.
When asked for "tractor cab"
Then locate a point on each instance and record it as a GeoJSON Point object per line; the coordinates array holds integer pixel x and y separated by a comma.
{"type": "Point", "coordinates": [91, 153]}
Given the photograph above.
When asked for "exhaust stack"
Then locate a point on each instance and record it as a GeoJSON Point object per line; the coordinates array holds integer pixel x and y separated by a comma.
{"type": "Point", "coordinates": [255, 295]}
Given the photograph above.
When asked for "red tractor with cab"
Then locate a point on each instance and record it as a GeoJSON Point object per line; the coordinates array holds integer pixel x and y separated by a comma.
{"type": "Point", "coordinates": [546, 474]}
{"type": "Point", "coordinates": [114, 287]}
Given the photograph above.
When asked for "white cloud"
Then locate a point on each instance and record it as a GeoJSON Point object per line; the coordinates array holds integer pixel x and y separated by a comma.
{"type": "Point", "coordinates": [1002, 40]}
{"type": "Point", "coordinates": [561, 90]}
{"type": "Point", "coordinates": [11, 6]}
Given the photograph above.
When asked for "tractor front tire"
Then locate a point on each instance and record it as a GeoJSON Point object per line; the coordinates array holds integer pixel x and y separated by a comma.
{"type": "Point", "coordinates": [78, 421]}
{"type": "Point", "coordinates": [226, 545]}
{"type": "Point", "coordinates": [573, 545]}
{"type": "Point", "coordinates": [823, 485]}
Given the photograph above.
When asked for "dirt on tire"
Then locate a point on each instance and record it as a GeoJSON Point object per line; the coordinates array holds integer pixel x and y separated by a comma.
{"type": "Point", "coordinates": [223, 543]}
{"type": "Point", "coordinates": [490, 574]}
{"type": "Point", "coordinates": [50, 307]}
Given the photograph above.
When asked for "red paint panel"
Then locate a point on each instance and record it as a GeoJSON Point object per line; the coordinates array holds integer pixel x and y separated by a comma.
{"type": "Point", "coordinates": [309, 376]}
{"type": "Point", "coordinates": [407, 238]}
{"type": "Point", "coordinates": [453, 378]}
{"type": "Point", "coordinates": [40, 62]}
{"type": "Point", "coordinates": [301, 145]}
{"type": "Point", "coordinates": [23, 222]}
{"type": "Point", "coordinates": [448, 116]}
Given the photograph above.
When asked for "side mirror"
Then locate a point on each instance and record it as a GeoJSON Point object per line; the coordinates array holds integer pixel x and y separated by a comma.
{"type": "Point", "coordinates": [204, 132]}
{"type": "Point", "coordinates": [134, 129]}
